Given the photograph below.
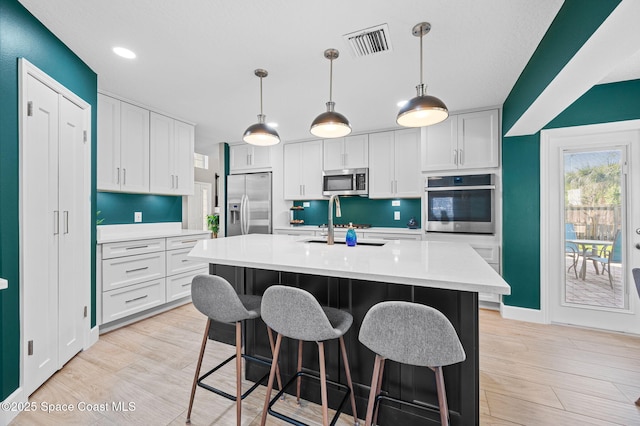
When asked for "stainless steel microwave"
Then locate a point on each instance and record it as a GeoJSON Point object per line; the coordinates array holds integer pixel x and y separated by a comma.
{"type": "Point", "coordinates": [345, 182]}
{"type": "Point", "coordinates": [464, 204]}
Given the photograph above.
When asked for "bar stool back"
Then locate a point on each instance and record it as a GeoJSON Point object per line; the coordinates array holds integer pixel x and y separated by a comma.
{"type": "Point", "coordinates": [295, 313]}
{"type": "Point", "coordinates": [414, 334]}
{"type": "Point", "coordinates": [216, 298]}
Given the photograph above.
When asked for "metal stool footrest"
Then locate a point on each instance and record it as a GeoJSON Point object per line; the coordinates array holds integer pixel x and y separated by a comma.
{"type": "Point", "coordinates": [225, 362]}
{"type": "Point", "coordinates": [311, 376]}
{"type": "Point", "coordinates": [420, 405]}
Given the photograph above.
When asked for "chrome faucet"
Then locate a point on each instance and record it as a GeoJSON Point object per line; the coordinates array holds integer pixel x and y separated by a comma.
{"type": "Point", "coordinates": [330, 239]}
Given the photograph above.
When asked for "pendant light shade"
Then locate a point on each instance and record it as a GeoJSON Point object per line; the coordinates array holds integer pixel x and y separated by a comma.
{"type": "Point", "coordinates": [260, 133]}
{"type": "Point", "coordinates": [423, 110]}
{"type": "Point", "coordinates": [330, 124]}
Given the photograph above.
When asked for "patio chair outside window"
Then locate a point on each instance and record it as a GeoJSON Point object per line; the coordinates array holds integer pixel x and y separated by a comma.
{"type": "Point", "coordinates": [610, 254]}
{"type": "Point", "coordinates": [571, 249]}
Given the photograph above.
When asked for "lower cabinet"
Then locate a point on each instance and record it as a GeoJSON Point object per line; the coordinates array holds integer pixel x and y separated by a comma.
{"type": "Point", "coordinates": [140, 275]}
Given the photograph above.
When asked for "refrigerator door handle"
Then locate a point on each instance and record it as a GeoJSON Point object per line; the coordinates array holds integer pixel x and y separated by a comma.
{"type": "Point", "coordinates": [247, 215]}
{"type": "Point", "coordinates": [242, 218]}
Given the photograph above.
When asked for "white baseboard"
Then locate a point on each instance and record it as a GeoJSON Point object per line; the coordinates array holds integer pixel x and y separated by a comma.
{"type": "Point", "coordinates": [19, 399]}
{"type": "Point", "coordinates": [521, 314]}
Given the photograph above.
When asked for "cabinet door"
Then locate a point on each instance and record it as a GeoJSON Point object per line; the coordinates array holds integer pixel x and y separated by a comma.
{"type": "Point", "coordinates": [183, 158]}
{"type": "Point", "coordinates": [108, 173]}
{"type": "Point", "coordinates": [311, 170]}
{"type": "Point", "coordinates": [162, 180]}
{"type": "Point", "coordinates": [239, 157]}
{"type": "Point", "coordinates": [381, 165]}
{"type": "Point", "coordinates": [292, 171]}
{"type": "Point", "coordinates": [356, 151]}
{"type": "Point", "coordinates": [134, 148]}
{"type": "Point", "coordinates": [333, 154]}
{"type": "Point", "coordinates": [408, 181]}
{"type": "Point", "coordinates": [260, 157]}
{"type": "Point", "coordinates": [439, 150]}
{"type": "Point", "coordinates": [478, 139]}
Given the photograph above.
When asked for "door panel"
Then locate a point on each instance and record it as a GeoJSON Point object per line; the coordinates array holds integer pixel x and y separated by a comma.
{"type": "Point", "coordinates": [258, 199]}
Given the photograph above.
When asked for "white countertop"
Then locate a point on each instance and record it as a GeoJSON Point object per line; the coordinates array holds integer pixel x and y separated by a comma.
{"type": "Point", "coordinates": [436, 264]}
{"type": "Point", "coordinates": [143, 231]}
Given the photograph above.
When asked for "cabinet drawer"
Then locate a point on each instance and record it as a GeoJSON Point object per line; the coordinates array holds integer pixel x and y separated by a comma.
{"type": "Point", "coordinates": [125, 271]}
{"type": "Point", "coordinates": [177, 262]}
{"type": "Point", "coordinates": [129, 300]}
{"type": "Point", "coordinates": [179, 286]}
{"type": "Point", "coordinates": [128, 248]}
{"type": "Point", "coordinates": [489, 252]}
{"type": "Point", "coordinates": [389, 236]}
{"type": "Point", "coordinates": [185, 242]}
{"type": "Point", "coordinates": [306, 232]}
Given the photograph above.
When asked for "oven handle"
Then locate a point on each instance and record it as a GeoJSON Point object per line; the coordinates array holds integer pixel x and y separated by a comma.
{"type": "Point", "coordinates": [459, 188]}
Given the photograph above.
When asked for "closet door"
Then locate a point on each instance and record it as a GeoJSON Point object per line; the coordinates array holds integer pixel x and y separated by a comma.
{"type": "Point", "coordinates": [74, 224]}
{"type": "Point", "coordinates": [40, 227]}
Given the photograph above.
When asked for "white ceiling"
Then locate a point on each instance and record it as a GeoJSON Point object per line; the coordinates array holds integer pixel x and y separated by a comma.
{"type": "Point", "coordinates": [196, 58]}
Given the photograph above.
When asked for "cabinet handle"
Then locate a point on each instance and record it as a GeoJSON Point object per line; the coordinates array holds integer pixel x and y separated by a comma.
{"type": "Point", "coordinates": [137, 269]}
{"type": "Point", "coordinates": [185, 260]}
{"type": "Point", "coordinates": [391, 187]}
{"type": "Point", "coordinates": [395, 186]}
{"type": "Point", "coordinates": [189, 242]}
{"type": "Point", "coordinates": [177, 181]}
{"type": "Point", "coordinates": [304, 190]}
{"type": "Point", "coordinates": [118, 175]}
{"type": "Point", "coordinates": [65, 215]}
{"type": "Point", "coordinates": [455, 156]}
{"type": "Point", "coordinates": [186, 284]}
{"type": "Point", "coordinates": [137, 298]}
{"type": "Point", "coordinates": [172, 185]}
{"type": "Point", "coordinates": [461, 157]}
{"type": "Point", "coordinates": [56, 225]}
{"type": "Point", "coordinates": [136, 247]}
{"type": "Point", "coordinates": [124, 178]}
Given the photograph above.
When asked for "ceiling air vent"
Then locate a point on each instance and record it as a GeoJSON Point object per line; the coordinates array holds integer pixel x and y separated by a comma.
{"type": "Point", "coordinates": [369, 41]}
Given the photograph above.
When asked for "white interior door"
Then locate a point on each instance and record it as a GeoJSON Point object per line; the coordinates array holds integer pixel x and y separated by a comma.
{"type": "Point", "coordinates": [39, 272]}
{"type": "Point", "coordinates": [574, 161]}
{"type": "Point", "coordinates": [199, 206]}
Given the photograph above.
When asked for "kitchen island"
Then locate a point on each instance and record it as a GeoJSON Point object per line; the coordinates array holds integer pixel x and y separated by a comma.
{"type": "Point", "coordinates": [446, 276]}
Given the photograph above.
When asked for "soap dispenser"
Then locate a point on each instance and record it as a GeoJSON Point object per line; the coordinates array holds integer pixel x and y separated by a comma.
{"type": "Point", "coordinates": [351, 238]}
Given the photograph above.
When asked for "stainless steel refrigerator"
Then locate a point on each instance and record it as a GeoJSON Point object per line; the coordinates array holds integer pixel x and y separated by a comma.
{"type": "Point", "coordinates": [249, 204]}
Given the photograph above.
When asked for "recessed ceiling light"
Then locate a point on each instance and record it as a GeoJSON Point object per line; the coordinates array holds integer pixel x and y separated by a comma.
{"type": "Point", "coordinates": [402, 103]}
{"type": "Point", "coordinates": [124, 52]}
{"type": "Point", "coordinates": [274, 125]}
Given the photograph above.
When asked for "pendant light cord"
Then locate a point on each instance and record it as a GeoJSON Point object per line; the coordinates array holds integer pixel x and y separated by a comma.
{"type": "Point", "coordinates": [331, 80]}
{"type": "Point", "coordinates": [260, 95]}
{"type": "Point", "coordinates": [421, 72]}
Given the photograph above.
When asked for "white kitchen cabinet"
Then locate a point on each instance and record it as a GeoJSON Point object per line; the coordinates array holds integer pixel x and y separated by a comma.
{"type": "Point", "coordinates": [303, 171]}
{"type": "Point", "coordinates": [351, 152]}
{"type": "Point", "coordinates": [462, 141]}
{"type": "Point", "coordinates": [171, 153]}
{"type": "Point", "coordinates": [394, 164]}
{"type": "Point", "coordinates": [123, 146]}
{"type": "Point", "coordinates": [244, 157]}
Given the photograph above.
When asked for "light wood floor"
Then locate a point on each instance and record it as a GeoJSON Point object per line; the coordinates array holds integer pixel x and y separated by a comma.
{"type": "Point", "coordinates": [530, 374]}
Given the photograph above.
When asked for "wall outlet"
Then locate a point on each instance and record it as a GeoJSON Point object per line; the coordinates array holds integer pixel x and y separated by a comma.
{"type": "Point", "coordinates": [395, 203]}
{"type": "Point", "coordinates": [4, 284]}
{"type": "Point", "coordinates": [137, 217]}
{"type": "Point", "coordinates": [396, 215]}
{"type": "Point", "coordinates": [306, 204]}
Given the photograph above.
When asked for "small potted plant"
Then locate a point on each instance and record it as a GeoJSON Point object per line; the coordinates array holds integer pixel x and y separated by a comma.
{"type": "Point", "coordinates": [213, 223]}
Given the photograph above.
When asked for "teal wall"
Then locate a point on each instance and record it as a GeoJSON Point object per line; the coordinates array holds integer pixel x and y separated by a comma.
{"type": "Point", "coordinates": [362, 210]}
{"type": "Point", "coordinates": [573, 25]}
{"type": "Point", "coordinates": [117, 208]}
{"type": "Point", "coordinates": [21, 35]}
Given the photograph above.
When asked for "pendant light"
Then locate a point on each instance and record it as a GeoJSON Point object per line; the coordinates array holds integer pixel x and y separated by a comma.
{"type": "Point", "coordinates": [260, 133]}
{"type": "Point", "coordinates": [423, 110]}
{"type": "Point", "coordinates": [330, 124]}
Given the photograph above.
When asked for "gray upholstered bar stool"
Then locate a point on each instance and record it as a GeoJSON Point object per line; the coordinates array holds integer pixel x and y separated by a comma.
{"type": "Point", "coordinates": [216, 298]}
{"type": "Point", "coordinates": [295, 313]}
{"type": "Point", "coordinates": [414, 334]}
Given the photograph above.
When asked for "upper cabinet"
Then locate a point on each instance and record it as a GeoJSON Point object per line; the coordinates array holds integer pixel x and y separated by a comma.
{"type": "Point", "coordinates": [244, 157]}
{"type": "Point", "coordinates": [172, 146]}
{"type": "Point", "coordinates": [351, 152]}
{"type": "Point", "coordinates": [303, 171]}
{"type": "Point", "coordinates": [123, 146]}
{"type": "Point", "coordinates": [462, 141]}
{"type": "Point", "coordinates": [394, 164]}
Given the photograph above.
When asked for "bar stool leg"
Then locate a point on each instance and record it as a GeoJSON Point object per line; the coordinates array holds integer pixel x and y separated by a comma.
{"type": "Point", "coordinates": [198, 366]}
{"type": "Point", "coordinates": [347, 371]}
{"type": "Point", "coordinates": [238, 373]}
{"type": "Point", "coordinates": [270, 333]}
{"type": "Point", "coordinates": [323, 385]}
{"type": "Point", "coordinates": [299, 381]}
{"type": "Point", "coordinates": [379, 390]}
{"type": "Point", "coordinates": [274, 365]}
{"type": "Point", "coordinates": [442, 396]}
{"type": "Point", "coordinates": [374, 385]}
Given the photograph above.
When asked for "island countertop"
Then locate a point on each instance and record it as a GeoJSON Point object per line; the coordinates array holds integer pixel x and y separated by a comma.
{"type": "Point", "coordinates": [435, 264]}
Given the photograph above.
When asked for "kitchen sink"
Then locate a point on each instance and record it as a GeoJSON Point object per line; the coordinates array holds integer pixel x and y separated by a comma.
{"type": "Point", "coordinates": [359, 243]}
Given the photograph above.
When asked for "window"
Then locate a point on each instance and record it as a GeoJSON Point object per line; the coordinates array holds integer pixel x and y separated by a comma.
{"type": "Point", "coordinates": [200, 161]}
